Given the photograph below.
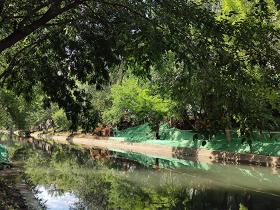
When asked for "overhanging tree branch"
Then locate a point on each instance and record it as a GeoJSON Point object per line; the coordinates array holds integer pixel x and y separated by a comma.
{"type": "Point", "coordinates": [17, 57]}
{"type": "Point", "coordinates": [23, 32]}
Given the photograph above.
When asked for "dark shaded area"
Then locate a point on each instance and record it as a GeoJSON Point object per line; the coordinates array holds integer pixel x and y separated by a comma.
{"type": "Point", "coordinates": [10, 198]}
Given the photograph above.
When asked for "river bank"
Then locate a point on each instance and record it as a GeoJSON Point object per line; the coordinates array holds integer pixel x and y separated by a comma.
{"type": "Point", "coordinates": [157, 149]}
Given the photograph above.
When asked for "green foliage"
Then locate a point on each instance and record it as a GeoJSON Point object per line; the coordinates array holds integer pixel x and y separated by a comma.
{"type": "Point", "coordinates": [100, 100]}
{"type": "Point", "coordinates": [61, 120]}
{"type": "Point", "coordinates": [235, 10]}
{"type": "Point", "coordinates": [5, 119]}
{"type": "Point", "coordinates": [225, 78]}
{"type": "Point", "coordinates": [242, 207]}
{"type": "Point", "coordinates": [13, 110]}
{"type": "Point", "coordinates": [217, 63]}
{"type": "Point", "coordinates": [135, 103]}
{"type": "Point", "coordinates": [21, 114]}
{"type": "Point", "coordinates": [88, 120]}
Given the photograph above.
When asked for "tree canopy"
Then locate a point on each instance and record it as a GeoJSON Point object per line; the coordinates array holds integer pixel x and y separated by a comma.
{"type": "Point", "coordinates": [217, 61]}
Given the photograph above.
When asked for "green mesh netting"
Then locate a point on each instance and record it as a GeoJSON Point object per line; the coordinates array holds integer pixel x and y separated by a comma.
{"type": "Point", "coordinates": [4, 157]}
{"type": "Point", "coordinates": [137, 134]}
{"type": "Point", "coordinates": [166, 132]}
{"type": "Point", "coordinates": [144, 132]}
{"type": "Point", "coordinates": [265, 143]}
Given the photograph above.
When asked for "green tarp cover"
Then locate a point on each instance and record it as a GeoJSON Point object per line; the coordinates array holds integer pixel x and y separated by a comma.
{"type": "Point", "coordinates": [167, 133]}
{"type": "Point", "coordinates": [144, 132]}
{"type": "Point", "coordinates": [137, 134]}
{"type": "Point", "coordinates": [265, 143]}
{"type": "Point", "coordinates": [4, 157]}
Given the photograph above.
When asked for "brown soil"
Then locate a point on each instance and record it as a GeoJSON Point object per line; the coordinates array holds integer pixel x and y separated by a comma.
{"type": "Point", "coordinates": [75, 134]}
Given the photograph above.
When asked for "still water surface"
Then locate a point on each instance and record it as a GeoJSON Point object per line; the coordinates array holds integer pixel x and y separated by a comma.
{"type": "Point", "coordinates": [68, 177]}
{"type": "Point", "coordinates": [52, 200]}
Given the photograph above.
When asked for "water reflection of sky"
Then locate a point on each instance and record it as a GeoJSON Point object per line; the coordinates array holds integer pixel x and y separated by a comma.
{"type": "Point", "coordinates": [53, 201]}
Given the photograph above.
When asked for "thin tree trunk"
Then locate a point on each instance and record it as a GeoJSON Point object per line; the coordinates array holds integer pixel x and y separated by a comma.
{"type": "Point", "coordinates": [228, 135]}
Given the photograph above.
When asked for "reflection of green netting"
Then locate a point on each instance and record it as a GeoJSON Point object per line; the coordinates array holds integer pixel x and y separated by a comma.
{"type": "Point", "coordinates": [137, 133]}
{"type": "Point", "coordinates": [163, 162]}
{"type": "Point", "coordinates": [176, 163]}
{"type": "Point", "coordinates": [142, 159]}
{"type": "Point", "coordinates": [3, 155]}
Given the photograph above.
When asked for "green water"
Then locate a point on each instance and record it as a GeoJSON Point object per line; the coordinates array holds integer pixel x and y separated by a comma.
{"type": "Point", "coordinates": [68, 177]}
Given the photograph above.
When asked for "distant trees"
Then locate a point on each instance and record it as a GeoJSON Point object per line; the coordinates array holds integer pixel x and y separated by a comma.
{"type": "Point", "coordinates": [135, 103]}
{"type": "Point", "coordinates": [14, 111]}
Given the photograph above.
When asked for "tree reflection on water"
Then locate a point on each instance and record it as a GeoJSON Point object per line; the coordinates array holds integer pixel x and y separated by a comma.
{"type": "Point", "coordinates": [108, 180]}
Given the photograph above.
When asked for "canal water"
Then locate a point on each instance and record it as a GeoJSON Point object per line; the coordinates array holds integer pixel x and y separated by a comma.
{"type": "Point", "coordinates": [70, 177]}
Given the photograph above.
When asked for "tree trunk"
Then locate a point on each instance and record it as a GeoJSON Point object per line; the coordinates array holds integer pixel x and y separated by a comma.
{"type": "Point", "coordinates": [11, 133]}
{"type": "Point", "coordinates": [228, 135]}
{"type": "Point", "coordinates": [157, 135]}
